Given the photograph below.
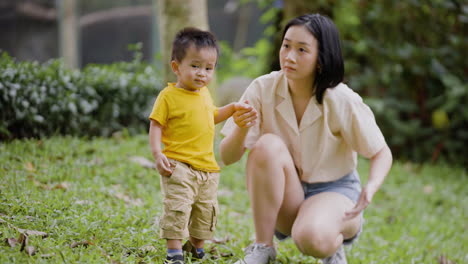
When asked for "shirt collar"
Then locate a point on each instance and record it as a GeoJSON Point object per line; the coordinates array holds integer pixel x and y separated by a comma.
{"type": "Point", "coordinates": [286, 108]}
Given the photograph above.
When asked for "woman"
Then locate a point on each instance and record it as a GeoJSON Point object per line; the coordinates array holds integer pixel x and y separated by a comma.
{"type": "Point", "coordinates": [301, 169]}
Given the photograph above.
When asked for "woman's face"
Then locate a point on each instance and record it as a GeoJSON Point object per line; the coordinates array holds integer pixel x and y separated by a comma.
{"type": "Point", "coordinates": [299, 53]}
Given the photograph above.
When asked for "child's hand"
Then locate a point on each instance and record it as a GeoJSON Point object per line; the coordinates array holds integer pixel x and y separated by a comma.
{"type": "Point", "coordinates": [163, 165]}
{"type": "Point", "coordinates": [245, 115]}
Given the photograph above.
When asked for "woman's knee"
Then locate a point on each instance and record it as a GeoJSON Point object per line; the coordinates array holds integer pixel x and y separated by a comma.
{"type": "Point", "coordinates": [267, 147]}
{"type": "Point", "coordinates": [314, 239]}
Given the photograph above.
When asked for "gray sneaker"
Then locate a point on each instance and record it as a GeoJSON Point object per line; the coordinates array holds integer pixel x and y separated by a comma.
{"type": "Point", "coordinates": [338, 258]}
{"type": "Point", "coordinates": [258, 254]}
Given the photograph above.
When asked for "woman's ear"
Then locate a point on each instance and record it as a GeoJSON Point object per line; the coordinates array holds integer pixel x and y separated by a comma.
{"type": "Point", "coordinates": [175, 66]}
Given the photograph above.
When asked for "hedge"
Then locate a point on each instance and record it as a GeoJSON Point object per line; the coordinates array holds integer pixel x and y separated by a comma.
{"type": "Point", "coordinates": [38, 100]}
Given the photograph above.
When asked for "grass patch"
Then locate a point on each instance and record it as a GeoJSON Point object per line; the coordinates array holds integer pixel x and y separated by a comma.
{"type": "Point", "coordinates": [97, 206]}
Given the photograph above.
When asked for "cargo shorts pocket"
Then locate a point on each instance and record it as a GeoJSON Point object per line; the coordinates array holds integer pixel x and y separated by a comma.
{"type": "Point", "coordinates": [214, 216]}
{"type": "Point", "coordinates": [176, 216]}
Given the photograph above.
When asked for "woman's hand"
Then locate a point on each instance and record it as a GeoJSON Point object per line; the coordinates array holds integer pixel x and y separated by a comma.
{"type": "Point", "coordinates": [245, 115]}
{"type": "Point", "coordinates": [379, 166]}
{"type": "Point", "coordinates": [364, 200]}
{"type": "Point", "coordinates": [163, 165]}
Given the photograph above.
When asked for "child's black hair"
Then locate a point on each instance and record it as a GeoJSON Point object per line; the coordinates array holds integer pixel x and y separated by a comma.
{"type": "Point", "coordinates": [330, 59]}
{"type": "Point", "coordinates": [192, 36]}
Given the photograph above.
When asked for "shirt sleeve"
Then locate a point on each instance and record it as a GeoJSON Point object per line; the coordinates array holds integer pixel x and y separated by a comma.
{"type": "Point", "coordinates": [213, 107]}
{"type": "Point", "coordinates": [359, 128]}
{"type": "Point", "coordinates": [252, 95]}
{"type": "Point", "coordinates": [160, 109]}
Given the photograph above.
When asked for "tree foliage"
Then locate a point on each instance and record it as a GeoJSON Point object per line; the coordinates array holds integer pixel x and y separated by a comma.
{"type": "Point", "coordinates": [410, 58]}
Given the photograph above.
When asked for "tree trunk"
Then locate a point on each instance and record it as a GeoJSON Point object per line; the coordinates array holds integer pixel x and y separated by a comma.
{"type": "Point", "coordinates": [173, 15]}
{"type": "Point", "coordinates": [294, 8]}
{"type": "Point", "coordinates": [69, 33]}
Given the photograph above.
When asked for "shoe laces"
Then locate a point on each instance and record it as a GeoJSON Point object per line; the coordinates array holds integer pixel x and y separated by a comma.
{"type": "Point", "coordinates": [254, 247]}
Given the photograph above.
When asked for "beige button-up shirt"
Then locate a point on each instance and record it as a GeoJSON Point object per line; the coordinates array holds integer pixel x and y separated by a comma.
{"type": "Point", "coordinates": [325, 144]}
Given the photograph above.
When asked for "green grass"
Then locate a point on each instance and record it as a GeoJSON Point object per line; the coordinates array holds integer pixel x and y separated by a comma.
{"type": "Point", "coordinates": [102, 198]}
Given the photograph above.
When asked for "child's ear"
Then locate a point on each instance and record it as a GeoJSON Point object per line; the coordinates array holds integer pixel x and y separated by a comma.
{"type": "Point", "coordinates": [175, 66]}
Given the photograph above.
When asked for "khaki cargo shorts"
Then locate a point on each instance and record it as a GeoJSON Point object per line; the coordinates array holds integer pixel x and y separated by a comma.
{"type": "Point", "coordinates": [190, 203]}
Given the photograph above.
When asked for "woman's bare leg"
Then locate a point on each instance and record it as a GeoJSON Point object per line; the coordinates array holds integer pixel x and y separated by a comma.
{"type": "Point", "coordinates": [274, 188]}
{"type": "Point", "coordinates": [319, 229]}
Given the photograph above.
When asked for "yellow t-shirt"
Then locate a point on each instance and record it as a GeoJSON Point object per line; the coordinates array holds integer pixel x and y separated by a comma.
{"type": "Point", "coordinates": [188, 126]}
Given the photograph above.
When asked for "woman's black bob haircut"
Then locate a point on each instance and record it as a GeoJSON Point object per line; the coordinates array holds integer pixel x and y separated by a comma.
{"type": "Point", "coordinates": [330, 70]}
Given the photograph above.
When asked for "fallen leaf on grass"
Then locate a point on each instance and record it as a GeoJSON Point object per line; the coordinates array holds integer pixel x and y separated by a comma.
{"type": "Point", "coordinates": [81, 202]}
{"type": "Point", "coordinates": [428, 189]}
{"type": "Point", "coordinates": [62, 186]}
{"type": "Point", "coordinates": [444, 260]}
{"type": "Point", "coordinates": [12, 242]}
{"type": "Point", "coordinates": [220, 241]}
{"type": "Point", "coordinates": [215, 254]}
{"type": "Point", "coordinates": [29, 167]}
{"type": "Point", "coordinates": [116, 191]}
{"type": "Point", "coordinates": [33, 233]}
{"type": "Point", "coordinates": [128, 200]}
{"type": "Point", "coordinates": [144, 162]}
{"type": "Point", "coordinates": [30, 250]}
{"type": "Point", "coordinates": [59, 186]}
{"type": "Point", "coordinates": [48, 255]}
{"type": "Point", "coordinates": [147, 248]}
{"type": "Point", "coordinates": [84, 243]}
{"type": "Point", "coordinates": [96, 162]}
{"type": "Point", "coordinates": [38, 183]}
{"type": "Point", "coordinates": [24, 240]}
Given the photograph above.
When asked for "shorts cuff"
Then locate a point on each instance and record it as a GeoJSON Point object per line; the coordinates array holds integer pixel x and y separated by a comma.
{"type": "Point", "coordinates": [201, 234]}
{"type": "Point", "coordinates": [280, 236]}
{"type": "Point", "coordinates": [171, 234]}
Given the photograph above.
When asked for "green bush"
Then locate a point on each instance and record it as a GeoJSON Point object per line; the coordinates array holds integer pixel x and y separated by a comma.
{"type": "Point", "coordinates": [38, 100]}
{"type": "Point", "coordinates": [410, 57]}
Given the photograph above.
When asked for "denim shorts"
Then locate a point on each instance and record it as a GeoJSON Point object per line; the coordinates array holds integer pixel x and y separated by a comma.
{"type": "Point", "coordinates": [348, 185]}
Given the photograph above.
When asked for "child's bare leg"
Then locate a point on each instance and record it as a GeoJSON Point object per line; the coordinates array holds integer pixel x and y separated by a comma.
{"type": "Point", "coordinates": [195, 246]}
{"type": "Point", "coordinates": [174, 243]}
{"type": "Point", "coordinates": [198, 243]}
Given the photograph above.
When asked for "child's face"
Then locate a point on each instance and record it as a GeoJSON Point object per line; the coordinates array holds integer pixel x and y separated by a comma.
{"type": "Point", "coordinates": [196, 69]}
{"type": "Point", "coordinates": [299, 53]}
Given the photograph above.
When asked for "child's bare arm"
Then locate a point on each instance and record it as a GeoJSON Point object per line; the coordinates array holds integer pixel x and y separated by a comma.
{"type": "Point", "coordinates": [232, 146]}
{"type": "Point", "coordinates": [224, 112]}
{"type": "Point", "coordinates": [244, 114]}
{"type": "Point", "coordinates": [162, 163]}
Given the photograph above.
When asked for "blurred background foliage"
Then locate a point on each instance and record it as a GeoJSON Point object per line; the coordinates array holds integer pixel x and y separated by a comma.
{"type": "Point", "coordinates": [406, 58]}
{"type": "Point", "coordinates": [410, 58]}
